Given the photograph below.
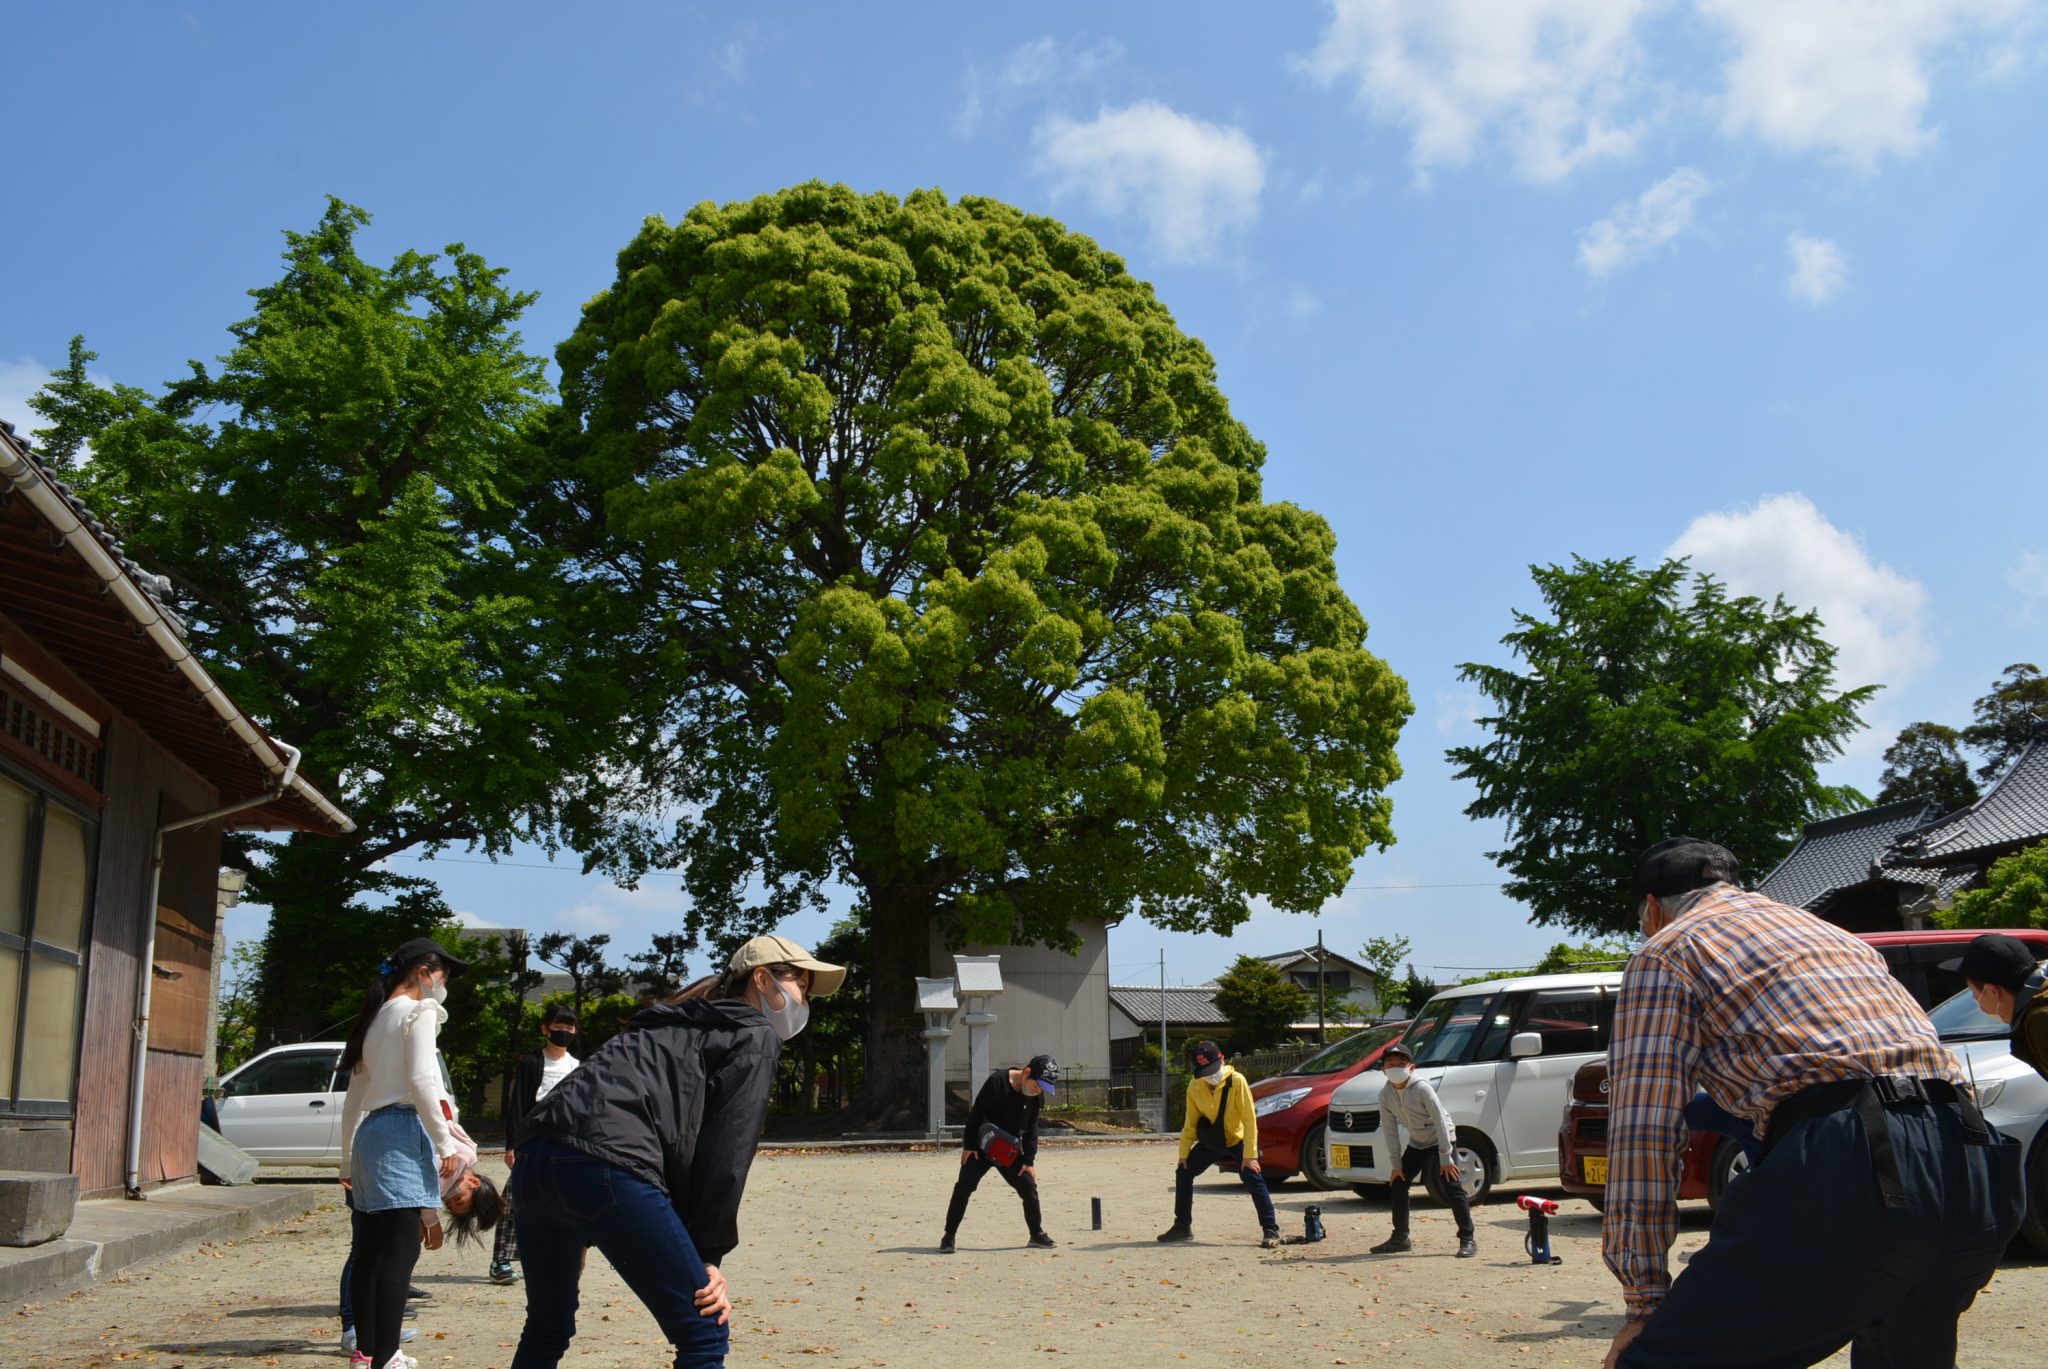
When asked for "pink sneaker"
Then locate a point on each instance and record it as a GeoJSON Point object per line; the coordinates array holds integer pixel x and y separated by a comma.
{"type": "Point", "coordinates": [358, 1360]}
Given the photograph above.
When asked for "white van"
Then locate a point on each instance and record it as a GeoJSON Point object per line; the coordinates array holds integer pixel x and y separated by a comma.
{"type": "Point", "coordinates": [284, 1106]}
{"type": "Point", "coordinates": [1501, 1055]}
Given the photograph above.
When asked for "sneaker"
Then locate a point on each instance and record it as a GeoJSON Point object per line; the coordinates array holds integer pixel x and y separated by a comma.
{"type": "Point", "coordinates": [1396, 1244]}
{"type": "Point", "coordinates": [1269, 1239]}
{"type": "Point", "coordinates": [358, 1360]}
{"type": "Point", "coordinates": [400, 1360]}
{"type": "Point", "coordinates": [1043, 1241]}
{"type": "Point", "coordinates": [348, 1339]}
{"type": "Point", "coordinates": [503, 1272]}
{"type": "Point", "coordinates": [412, 1292]}
{"type": "Point", "coordinates": [946, 1244]}
{"type": "Point", "coordinates": [1467, 1248]}
{"type": "Point", "coordinates": [1179, 1231]}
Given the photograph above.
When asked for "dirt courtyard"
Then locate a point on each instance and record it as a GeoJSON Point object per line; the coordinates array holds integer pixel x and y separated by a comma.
{"type": "Point", "coordinates": [838, 1266]}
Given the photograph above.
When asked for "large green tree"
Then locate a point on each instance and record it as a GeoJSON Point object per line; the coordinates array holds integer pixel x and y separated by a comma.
{"type": "Point", "coordinates": [341, 505]}
{"type": "Point", "coordinates": [954, 582]}
{"type": "Point", "coordinates": [1636, 710]}
{"type": "Point", "coordinates": [2006, 717]}
{"type": "Point", "coordinates": [1926, 761]}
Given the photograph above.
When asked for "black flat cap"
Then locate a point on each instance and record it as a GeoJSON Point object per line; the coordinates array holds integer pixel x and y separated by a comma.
{"type": "Point", "coordinates": [418, 949]}
{"type": "Point", "coordinates": [1681, 865]}
{"type": "Point", "coordinates": [1995, 958]}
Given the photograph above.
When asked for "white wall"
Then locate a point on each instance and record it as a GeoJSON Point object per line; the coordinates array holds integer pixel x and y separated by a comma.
{"type": "Point", "coordinates": [1052, 1003]}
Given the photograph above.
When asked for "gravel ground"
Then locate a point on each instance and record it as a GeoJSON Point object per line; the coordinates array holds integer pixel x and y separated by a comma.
{"type": "Point", "coordinates": [838, 1267]}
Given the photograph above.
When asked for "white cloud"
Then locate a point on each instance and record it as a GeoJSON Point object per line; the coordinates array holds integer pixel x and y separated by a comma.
{"type": "Point", "coordinates": [1040, 63]}
{"type": "Point", "coordinates": [2029, 574]}
{"type": "Point", "coordinates": [1551, 80]}
{"type": "Point", "coordinates": [1192, 182]}
{"type": "Point", "coordinates": [1458, 710]}
{"type": "Point", "coordinates": [18, 380]}
{"type": "Point", "coordinates": [1784, 545]}
{"type": "Point", "coordinates": [1852, 78]}
{"type": "Point", "coordinates": [1637, 228]}
{"type": "Point", "coordinates": [1819, 270]}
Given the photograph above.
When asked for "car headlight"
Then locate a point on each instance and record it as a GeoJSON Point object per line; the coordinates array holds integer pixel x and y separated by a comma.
{"type": "Point", "coordinates": [1987, 1094]}
{"type": "Point", "coordinates": [1280, 1102]}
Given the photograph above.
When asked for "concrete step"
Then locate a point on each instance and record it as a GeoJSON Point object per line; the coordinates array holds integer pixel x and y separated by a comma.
{"type": "Point", "coordinates": [109, 1236]}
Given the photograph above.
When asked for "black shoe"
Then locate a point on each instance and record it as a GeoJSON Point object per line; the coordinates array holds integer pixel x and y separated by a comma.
{"type": "Point", "coordinates": [1043, 1241]}
{"type": "Point", "coordinates": [1179, 1231]}
{"type": "Point", "coordinates": [417, 1293]}
{"type": "Point", "coordinates": [1467, 1248]}
{"type": "Point", "coordinates": [1269, 1239]}
{"type": "Point", "coordinates": [946, 1244]}
{"type": "Point", "coordinates": [1396, 1244]}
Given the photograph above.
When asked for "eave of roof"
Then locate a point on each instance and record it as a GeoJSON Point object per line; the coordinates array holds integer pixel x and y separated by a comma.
{"type": "Point", "coordinates": [2012, 815]}
{"type": "Point", "coordinates": [1842, 852]}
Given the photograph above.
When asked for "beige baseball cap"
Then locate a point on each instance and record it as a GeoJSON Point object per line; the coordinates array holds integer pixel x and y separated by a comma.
{"type": "Point", "coordinates": [780, 950]}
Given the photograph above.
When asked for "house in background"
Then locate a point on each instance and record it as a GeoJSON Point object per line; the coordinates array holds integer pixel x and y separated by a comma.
{"type": "Point", "coordinates": [1191, 1013]}
{"type": "Point", "coordinates": [121, 763]}
{"type": "Point", "coordinates": [2012, 815]}
{"type": "Point", "coordinates": [1052, 1003]}
{"type": "Point", "coordinates": [1340, 976]}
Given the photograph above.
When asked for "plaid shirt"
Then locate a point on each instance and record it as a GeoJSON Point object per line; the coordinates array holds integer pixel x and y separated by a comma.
{"type": "Point", "coordinates": [1752, 1001]}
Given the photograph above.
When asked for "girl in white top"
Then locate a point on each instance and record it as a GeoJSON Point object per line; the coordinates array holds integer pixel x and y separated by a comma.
{"type": "Point", "coordinates": [398, 1139]}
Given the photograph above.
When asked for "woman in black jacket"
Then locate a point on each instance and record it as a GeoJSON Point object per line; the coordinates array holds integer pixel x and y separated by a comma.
{"type": "Point", "coordinates": [643, 1152]}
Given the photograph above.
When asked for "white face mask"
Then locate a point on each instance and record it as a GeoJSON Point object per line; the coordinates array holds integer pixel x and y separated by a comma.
{"type": "Point", "coordinates": [1397, 1074]}
{"type": "Point", "coordinates": [789, 1019]}
{"type": "Point", "coordinates": [436, 990]}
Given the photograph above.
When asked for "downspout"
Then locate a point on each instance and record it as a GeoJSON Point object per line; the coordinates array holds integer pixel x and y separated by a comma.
{"type": "Point", "coordinates": [146, 971]}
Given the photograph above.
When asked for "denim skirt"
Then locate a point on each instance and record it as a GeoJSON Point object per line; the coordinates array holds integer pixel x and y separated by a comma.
{"type": "Point", "coordinates": [392, 1162]}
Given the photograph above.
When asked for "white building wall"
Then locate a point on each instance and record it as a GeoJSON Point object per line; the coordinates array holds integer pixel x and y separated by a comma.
{"type": "Point", "coordinates": [1052, 1003]}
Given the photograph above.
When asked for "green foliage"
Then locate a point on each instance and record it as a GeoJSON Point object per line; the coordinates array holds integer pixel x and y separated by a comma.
{"type": "Point", "coordinates": [1573, 958]}
{"type": "Point", "coordinates": [342, 506]}
{"type": "Point", "coordinates": [1926, 761]}
{"type": "Point", "coordinates": [2006, 718]}
{"type": "Point", "coordinates": [235, 1033]}
{"type": "Point", "coordinates": [1634, 715]}
{"type": "Point", "coordinates": [1260, 1003]}
{"type": "Point", "coordinates": [1383, 956]}
{"type": "Point", "coordinates": [2015, 894]}
{"type": "Point", "coordinates": [1416, 992]}
{"type": "Point", "coordinates": [663, 968]}
{"type": "Point", "coordinates": [582, 958]}
{"type": "Point", "coordinates": [482, 1038]}
{"type": "Point", "coordinates": [952, 578]}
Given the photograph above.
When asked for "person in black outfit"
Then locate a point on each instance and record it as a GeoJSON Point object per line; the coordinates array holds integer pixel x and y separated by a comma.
{"type": "Point", "coordinates": [1008, 1103]}
{"type": "Point", "coordinates": [643, 1152]}
{"type": "Point", "coordinates": [558, 1027]}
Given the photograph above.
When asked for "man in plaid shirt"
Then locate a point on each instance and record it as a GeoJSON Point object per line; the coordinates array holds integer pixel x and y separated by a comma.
{"type": "Point", "coordinates": [1882, 1202]}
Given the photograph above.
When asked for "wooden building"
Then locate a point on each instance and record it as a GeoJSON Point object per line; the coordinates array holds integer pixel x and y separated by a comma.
{"type": "Point", "coordinates": [121, 764]}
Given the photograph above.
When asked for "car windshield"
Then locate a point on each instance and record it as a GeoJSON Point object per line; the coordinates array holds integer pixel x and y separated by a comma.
{"type": "Point", "coordinates": [1346, 1053]}
{"type": "Point", "coordinates": [1960, 1019]}
{"type": "Point", "coordinates": [1440, 1033]}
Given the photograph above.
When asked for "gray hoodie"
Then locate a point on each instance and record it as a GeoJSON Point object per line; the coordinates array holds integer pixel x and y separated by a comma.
{"type": "Point", "coordinates": [1421, 1112]}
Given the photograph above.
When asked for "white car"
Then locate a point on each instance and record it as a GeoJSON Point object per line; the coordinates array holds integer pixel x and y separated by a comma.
{"type": "Point", "coordinates": [284, 1106]}
{"type": "Point", "coordinates": [1501, 1056]}
{"type": "Point", "coordinates": [2013, 1097]}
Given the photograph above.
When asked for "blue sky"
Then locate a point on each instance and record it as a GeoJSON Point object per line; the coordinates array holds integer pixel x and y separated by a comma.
{"type": "Point", "coordinates": [1496, 284]}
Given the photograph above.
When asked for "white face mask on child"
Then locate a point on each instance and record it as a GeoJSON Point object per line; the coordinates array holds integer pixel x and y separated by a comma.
{"type": "Point", "coordinates": [1397, 1074]}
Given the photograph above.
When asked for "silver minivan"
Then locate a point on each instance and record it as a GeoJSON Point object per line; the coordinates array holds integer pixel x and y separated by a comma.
{"type": "Point", "coordinates": [1501, 1055]}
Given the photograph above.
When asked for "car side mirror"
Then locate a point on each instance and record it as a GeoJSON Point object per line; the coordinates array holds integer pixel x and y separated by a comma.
{"type": "Point", "coordinates": [1525, 1043]}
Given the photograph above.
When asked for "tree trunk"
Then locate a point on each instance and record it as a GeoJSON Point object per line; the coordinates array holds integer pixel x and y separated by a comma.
{"type": "Point", "coordinates": [891, 1097]}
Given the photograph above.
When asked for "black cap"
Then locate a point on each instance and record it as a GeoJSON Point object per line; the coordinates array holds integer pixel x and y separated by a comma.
{"type": "Point", "coordinates": [1046, 1071]}
{"type": "Point", "coordinates": [1396, 1048]}
{"type": "Point", "coordinates": [1205, 1056]}
{"type": "Point", "coordinates": [418, 949]}
{"type": "Point", "coordinates": [1681, 865]}
{"type": "Point", "coordinates": [1995, 958]}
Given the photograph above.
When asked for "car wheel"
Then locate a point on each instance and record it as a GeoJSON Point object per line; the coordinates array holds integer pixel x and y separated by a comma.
{"type": "Point", "coordinates": [1729, 1163]}
{"type": "Point", "coordinates": [1475, 1170]}
{"type": "Point", "coordinates": [2034, 1226]}
{"type": "Point", "coordinates": [1315, 1159]}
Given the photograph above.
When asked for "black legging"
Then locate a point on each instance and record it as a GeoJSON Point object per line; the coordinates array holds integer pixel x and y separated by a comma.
{"type": "Point", "coordinates": [971, 1175]}
{"type": "Point", "coordinates": [387, 1248]}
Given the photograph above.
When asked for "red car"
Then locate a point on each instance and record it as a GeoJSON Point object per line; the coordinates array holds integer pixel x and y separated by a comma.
{"type": "Point", "coordinates": [1292, 1106]}
{"type": "Point", "coordinates": [1712, 1160]}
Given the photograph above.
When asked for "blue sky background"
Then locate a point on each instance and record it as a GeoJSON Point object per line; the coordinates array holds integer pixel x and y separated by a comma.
{"type": "Point", "coordinates": [1496, 284]}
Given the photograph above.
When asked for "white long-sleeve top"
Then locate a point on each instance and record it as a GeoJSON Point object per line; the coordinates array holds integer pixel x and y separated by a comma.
{"type": "Point", "coordinates": [400, 1065]}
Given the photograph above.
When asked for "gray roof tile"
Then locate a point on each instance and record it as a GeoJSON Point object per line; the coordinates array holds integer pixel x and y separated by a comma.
{"type": "Point", "coordinates": [2013, 814]}
{"type": "Point", "coordinates": [1841, 852]}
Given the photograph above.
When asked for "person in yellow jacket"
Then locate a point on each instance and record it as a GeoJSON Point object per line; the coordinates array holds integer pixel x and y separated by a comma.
{"type": "Point", "coordinates": [1222, 1130]}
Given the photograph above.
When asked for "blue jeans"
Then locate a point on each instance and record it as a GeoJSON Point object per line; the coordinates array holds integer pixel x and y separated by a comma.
{"type": "Point", "coordinates": [1199, 1160]}
{"type": "Point", "coordinates": [565, 1202]}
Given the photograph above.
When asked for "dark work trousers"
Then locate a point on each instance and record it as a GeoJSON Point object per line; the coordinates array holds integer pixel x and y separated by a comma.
{"type": "Point", "coordinates": [1419, 1162]}
{"type": "Point", "coordinates": [1805, 1257]}
{"type": "Point", "coordinates": [970, 1177]}
{"type": "Point", "coordinates": [1200, 1160]}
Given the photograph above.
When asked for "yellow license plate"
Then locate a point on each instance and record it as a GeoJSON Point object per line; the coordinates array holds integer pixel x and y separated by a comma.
{"type": "Point", "coordinates": [1340, 1157]}
{"type": "Point", "coordinates": [1595, 1169]}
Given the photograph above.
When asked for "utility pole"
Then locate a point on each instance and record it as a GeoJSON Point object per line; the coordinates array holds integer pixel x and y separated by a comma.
{"type": "Point", "coordinates": [1322, 1028]}
{"type": "Point", "coordinates": [1164, 1114]}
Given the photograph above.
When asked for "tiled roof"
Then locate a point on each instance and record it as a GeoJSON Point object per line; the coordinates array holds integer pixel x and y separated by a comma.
{"type": "Point", "coordinates": [2012, 815]}
{"type": "Point", "coordinates": [1306, 957]}
{"type": "Point", "coordinates": [1842, 852]}
{"type": "Point", "coordinates": [1184, 1007]}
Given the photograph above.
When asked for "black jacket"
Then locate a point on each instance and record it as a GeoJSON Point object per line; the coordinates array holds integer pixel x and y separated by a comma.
{"type": "Point", "coordinates": [525, 1084]}
{"type": "Point", "coordinates": [1009, 1109]}
{"type": "Point", "coordinates": [677, 1099]}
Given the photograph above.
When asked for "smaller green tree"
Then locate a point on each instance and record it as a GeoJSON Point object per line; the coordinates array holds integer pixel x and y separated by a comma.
{"type": "Point", "coordinates": [1260, 1003]}
{"type": "Point", "coordinates": [2015, 894]}
{"type": "Point", "coordinates": [1568, 957]}
{"type": "Point", "coordinates": [1926, 761]}
{"type": "Point", "coordinates": [487, 1014]}
{"type": "Point", "coordinates": [1383, 956]}
{"type": "Point", "coordinates": [582, 958]}
{"type": "Point", "coordinates": [2006, 718]}
{"type": "Point", "coordinates": [235, 1025]}
{"type": "Point", "coordinates": [1416, 992]}
{"type": "Point", "coordinates": [663, 968]}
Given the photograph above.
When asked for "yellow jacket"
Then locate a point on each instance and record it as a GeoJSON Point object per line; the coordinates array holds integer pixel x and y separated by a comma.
{"type": "Point", "coordinates": [1241, 1123]}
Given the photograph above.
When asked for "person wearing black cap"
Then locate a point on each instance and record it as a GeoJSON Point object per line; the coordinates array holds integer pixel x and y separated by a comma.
{"type": "Point", "coordinates": [2007, 983]}
{"type": "Point", "coordinates": [1408, 1103]}
{"type": "Point", "coordinates": [1004, 1123]}
{"type": "Point", "coordinates": [1222, 1129]}
{"type": "Point", "coordinates": [398, 1139]}
{"type": "Point", "coordinates": [1882, 1202]}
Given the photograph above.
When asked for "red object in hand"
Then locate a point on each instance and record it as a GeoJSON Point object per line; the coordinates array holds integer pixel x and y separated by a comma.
{"type": "Point", "coordinates": [1547, 1206]}
{"type": "Point", "coordinates": [447, 1112]}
